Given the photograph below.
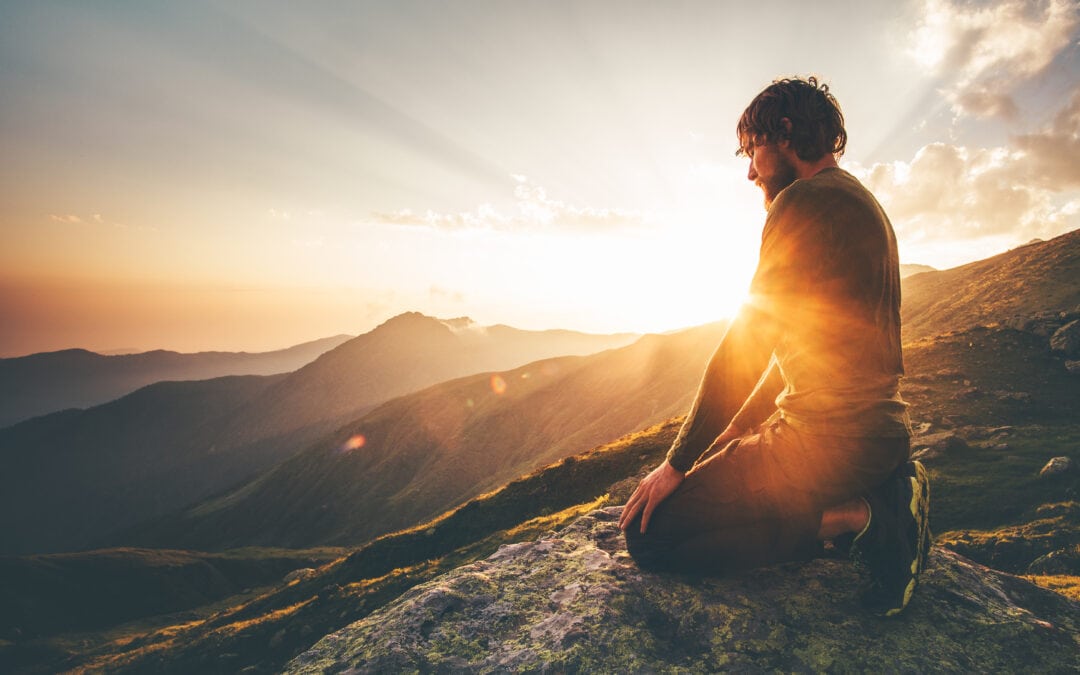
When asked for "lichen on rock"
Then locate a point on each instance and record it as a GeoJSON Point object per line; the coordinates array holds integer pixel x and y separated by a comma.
{"type": "Point", "coordinates": [576, 602]}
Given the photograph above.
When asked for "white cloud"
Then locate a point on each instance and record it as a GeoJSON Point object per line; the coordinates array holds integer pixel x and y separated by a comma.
{"type": "Point", "coordinates": [985, 50]}
{"type": "Point", "coordinates": [533, 210]}
{"type": "Point", "coordinates": [70, 219]}
{"type": "Point", "coordinates": [1009, 194]}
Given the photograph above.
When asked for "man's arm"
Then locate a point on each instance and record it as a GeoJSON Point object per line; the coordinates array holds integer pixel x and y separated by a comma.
{"type": "Point", "coordinates": [762, 402]}
{"type": "Point", "coordinates": [730, 377]}
{"type": "Point", "coordinates": [736, 366]}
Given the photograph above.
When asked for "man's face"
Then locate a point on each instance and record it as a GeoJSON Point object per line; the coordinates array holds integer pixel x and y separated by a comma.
{"type": "Point", "coordinates": [770, 169]}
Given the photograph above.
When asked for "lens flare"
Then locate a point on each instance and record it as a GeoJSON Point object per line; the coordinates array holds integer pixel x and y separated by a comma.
{"type": "Point", "coordinates": [498, 385]}
{"type": "Point", "coordinates": [355, 442]}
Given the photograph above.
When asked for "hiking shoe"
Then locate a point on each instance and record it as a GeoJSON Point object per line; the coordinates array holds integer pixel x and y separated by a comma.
{"type": "Point", "coordinates": [896, 542]}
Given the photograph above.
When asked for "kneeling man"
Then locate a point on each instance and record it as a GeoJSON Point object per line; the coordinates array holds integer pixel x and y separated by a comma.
{"type": "Point", "coordinates": [798, 433]}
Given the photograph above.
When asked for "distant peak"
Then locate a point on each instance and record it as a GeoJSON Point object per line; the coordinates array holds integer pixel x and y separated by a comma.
{"type": "Point", "coordinates": [411, 322]}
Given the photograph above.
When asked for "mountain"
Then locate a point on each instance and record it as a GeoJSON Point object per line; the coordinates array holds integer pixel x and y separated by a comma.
{"type": "Point", "coordinates": [1037, 278]}
{"type": "Point", "coordinates": [907, 270]}
{"type": "Point", "coordinates": [39, 384]}
{"type": "Point", "coordinates": [73, 475]}
{"type": "Point", "coordinates": [405, 354]}
{"type": "Point", "coordinates": [419, 455]}
{"type": "Point", "coordinates": [76, 476]}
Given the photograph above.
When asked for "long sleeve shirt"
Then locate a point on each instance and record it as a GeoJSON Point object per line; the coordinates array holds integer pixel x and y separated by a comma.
{"type": "Point", "coordinates": [818, 343]}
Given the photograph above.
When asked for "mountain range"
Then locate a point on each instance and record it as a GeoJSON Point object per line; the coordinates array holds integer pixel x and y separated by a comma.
{"type": "Point", "coordinates": [419, 455]}
{"type": "Point", "coordinates": [39, 384]}
{"type": "Point", "coordinates": [72, 477]}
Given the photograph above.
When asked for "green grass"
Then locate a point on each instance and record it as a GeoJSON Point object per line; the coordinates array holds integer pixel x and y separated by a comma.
{"type": "Point", "coordinates": [985, 487]}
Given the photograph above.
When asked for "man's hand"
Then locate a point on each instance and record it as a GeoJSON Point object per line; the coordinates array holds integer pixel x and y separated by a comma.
{"type": "Point", "coordinates": [653, 489]}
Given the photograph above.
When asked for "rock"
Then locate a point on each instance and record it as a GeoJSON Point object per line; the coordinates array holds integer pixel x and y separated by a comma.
{"type": "Point", "coordinates": [576, 602]}
{"type": "Point", "coordinates": [932, 446]}
{"type": "Point", "coordinates": [1073, 367]}
{"type": "Point", "coordinates": [1066, 340]}
{"type": "Point", "coordinates": [1056, 467]}
{"type": "Point", "coordinates": [967, 393]}
{"type": "Point", "coordinates": [1062, 561]}
{"type": "Point", "coordinates": [299, 575]}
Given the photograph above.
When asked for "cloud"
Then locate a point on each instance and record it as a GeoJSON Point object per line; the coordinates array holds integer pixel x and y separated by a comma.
{"type": "Point", "coordinates": [70, 219]}
{"type": "Point", "coordinates": [533, 210]}
{"type": "Point", "coordinates": [1052, 155]}
{"type": "Point", "coordinates": [1027, 188]}
{"type": "Point", "coordinates": [987, 50]}
{"type": "Point", "coordinates": [97, 220]}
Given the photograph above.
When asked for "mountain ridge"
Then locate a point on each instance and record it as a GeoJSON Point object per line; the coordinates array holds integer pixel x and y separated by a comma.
{"type": "Point", "coordinates": [44, 382]}
{"type": "Point", "coordinates": [275, 417]}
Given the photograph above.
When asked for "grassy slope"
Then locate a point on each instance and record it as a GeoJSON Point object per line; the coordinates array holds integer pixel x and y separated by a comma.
{"type": "Point", "coordinates": [1030, 279]}
{"type": "Point", "coordinates": [432, 450]}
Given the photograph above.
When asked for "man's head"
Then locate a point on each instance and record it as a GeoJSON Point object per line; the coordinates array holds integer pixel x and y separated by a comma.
{"type": "Point", "coordinates": [792, 120]}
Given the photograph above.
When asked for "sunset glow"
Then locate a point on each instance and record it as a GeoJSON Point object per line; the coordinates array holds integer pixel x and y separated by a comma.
{"type": "Point", "coordinates": [248, 176]}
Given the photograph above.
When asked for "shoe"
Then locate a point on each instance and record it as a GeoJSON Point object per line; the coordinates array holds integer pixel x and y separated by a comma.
{"type": "Point", "coordinates": [895, 544]}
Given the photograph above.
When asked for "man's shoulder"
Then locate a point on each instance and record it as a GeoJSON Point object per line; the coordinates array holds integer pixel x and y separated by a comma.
{"type": "Point", "coordinates": [824, 194]}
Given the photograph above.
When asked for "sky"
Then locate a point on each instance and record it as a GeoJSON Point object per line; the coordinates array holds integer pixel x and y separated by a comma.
{"type": "Point", "coordinates": [250, 175]}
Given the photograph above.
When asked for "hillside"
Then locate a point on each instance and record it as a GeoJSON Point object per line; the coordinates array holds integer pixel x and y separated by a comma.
{"type": "Point", "coordinates": [422, 454]}
{"type": "Point", "coordinates": [39, 384]}
{"type": "Point", "coordinates": [76, 476]}
{"type": "Point", "coordinates": [1008, 289]}
{"type": "Point", "coordinates": [405, 354]}
{"type": "Point", "coordinates": [68, 477]}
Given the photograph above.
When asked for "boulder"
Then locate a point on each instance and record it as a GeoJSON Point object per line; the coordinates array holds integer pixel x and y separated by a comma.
{"type": "Point", "coordinates": [932, 446]}
{"type": "Point", "coordinates": [1056, 467]}
{"type": "Point", "coordinates": [576, 602]}
{"type": "Point", "coordinates": [1066, 340]}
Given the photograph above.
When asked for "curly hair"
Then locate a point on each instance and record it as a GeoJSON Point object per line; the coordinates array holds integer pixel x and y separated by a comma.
{"type": "Point", "coordinates": [817, 124]}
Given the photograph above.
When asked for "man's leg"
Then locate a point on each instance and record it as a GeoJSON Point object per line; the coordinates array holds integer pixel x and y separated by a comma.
{"type": "Point", "coordinates": [734, 510]}
{"type": "Point", "coordinates": [851, 517]}
{"type": "Point", "coordinates": [762, 500]}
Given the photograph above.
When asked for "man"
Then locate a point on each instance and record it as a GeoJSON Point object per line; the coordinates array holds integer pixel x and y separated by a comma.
{"type": "Point", "coordinates": [798, 433]}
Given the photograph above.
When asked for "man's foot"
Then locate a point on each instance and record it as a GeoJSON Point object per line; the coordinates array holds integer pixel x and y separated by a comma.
{"type": "Point", "coordinates": [896, 542]}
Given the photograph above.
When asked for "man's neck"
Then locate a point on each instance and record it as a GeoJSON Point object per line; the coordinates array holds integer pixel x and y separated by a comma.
{"type": "Point", "coordinates": [810, 169]}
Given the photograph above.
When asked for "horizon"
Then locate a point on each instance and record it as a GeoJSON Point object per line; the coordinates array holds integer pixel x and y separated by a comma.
{"type": "Point", "coordinates": [248, 177]}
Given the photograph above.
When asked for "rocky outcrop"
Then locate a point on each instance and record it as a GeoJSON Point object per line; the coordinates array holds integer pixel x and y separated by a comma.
{"type": "Point", "coordinates": [1057, 466]}
{"type": "Point", "coordinates": [1066, 340]}
{"type": "Point", "coordinates": [577, 603]}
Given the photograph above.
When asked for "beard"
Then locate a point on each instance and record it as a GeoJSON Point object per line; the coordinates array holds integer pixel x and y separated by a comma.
{"type": "Point", "coordinates": [780, 179]}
